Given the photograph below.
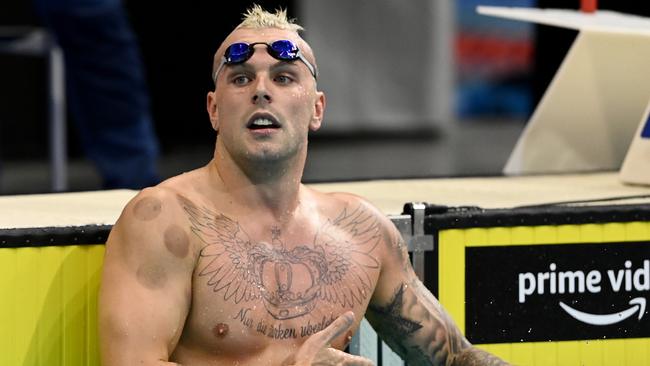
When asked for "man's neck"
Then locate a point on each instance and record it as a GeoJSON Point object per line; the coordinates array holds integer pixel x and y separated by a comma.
{"type": "Point", "coordinates": [272, 187]}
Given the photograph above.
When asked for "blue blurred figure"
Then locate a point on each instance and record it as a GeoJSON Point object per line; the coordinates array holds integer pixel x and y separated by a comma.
{"type": "Point", "coordinates": [106, 89]}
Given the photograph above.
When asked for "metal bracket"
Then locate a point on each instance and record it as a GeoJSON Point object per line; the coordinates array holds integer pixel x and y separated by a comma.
{"type": "Point", "coordinates": [411, 226]}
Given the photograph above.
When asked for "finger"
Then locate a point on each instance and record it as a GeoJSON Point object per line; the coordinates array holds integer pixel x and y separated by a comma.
{"type": "Point", "coordinates": [352, 360]}
{"type": "Point", "coordinates": [323, 338]}
{"type": "Point", "coordinates": [340, 358]}
{"type": "Point", "coordinates": [334, 330]}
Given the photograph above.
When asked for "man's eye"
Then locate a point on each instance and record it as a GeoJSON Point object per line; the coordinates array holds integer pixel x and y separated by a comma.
{"type": "Point", "coordinates": [240, 80]}
{"type": "Point", "coordinates": [283, 79]}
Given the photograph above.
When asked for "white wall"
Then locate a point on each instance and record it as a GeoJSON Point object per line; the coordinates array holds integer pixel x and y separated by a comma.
{"type": "Point", "coordinates": [385, 65]}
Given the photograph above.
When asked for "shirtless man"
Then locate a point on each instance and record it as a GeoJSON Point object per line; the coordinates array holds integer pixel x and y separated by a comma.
{"type": "Point", "coordinates": [238, 263]}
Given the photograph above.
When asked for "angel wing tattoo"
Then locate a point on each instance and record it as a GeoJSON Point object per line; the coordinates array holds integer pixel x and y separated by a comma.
{"type": "Point", "coordinates": [335, 269]}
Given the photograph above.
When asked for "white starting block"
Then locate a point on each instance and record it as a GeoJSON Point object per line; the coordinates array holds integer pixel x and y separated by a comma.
{"type": "Point", "coordinates": [636, 167]}
{"type": "Point", "coordinates": [587, 118]}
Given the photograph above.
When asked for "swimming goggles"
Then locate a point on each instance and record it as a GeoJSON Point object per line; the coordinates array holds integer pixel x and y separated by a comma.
{"type": "Point", "coordinates": [283, 50]}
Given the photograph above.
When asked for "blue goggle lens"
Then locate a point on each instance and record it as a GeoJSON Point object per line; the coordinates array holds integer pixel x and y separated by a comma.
{"type": "Point", "coordinates": [238, 52]}
{"type": "Point", "coordinates": [283, 50]}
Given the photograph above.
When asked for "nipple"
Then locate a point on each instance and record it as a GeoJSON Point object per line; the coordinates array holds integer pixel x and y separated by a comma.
{"type": "Point", "coordinates": [220, 330]}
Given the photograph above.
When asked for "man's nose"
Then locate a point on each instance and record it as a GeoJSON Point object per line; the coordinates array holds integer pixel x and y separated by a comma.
{"type": "Point", "coordinates": [261, 94]}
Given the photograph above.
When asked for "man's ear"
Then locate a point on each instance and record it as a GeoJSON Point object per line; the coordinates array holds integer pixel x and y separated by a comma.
{"type": "Point", "coordinates": [211, 105]}
{"type": "Point", "coordinates": [319, 111]}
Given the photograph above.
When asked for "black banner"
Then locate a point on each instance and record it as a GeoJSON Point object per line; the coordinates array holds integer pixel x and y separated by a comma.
{"type": "Point", "coordinates": [557, 292]}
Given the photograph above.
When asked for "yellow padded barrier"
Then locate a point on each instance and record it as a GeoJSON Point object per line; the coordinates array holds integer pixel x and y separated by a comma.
{"type": "Point", "coordinates": [48, 310]}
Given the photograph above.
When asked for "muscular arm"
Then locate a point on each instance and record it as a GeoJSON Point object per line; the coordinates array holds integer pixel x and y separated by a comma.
{"type": "Point", "coordinates": [411, 320]}
{"type": "Point", "coordinates": [146, 283]}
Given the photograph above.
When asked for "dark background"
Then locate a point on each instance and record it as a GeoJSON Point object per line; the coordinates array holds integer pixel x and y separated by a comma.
{"type": "Point", "coordinates": [177, 43]}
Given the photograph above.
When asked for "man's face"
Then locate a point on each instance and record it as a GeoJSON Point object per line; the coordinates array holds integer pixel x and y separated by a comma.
{"type": "Point", "coordinates": [263, 108]}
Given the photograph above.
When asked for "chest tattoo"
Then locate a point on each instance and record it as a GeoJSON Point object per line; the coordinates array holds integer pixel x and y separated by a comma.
{"type": "Point", "coordinates": [336, 268]}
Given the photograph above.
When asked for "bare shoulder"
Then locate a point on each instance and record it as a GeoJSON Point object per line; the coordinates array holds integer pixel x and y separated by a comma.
{"type": "Point", "coordinates": [339, 200]}
{"type": "Point", "coordinates": [347, 209]}
{"type": "Point", "coordinates": [160, 204]}
{"type": "Point", "coordinates": [392, 253]}
{"type": "Point", "coordinates": [149, 206]}
{"type": "Point", "coordinates": [349, 204]}
{"type": "Point", "coordinates": [153, 222]}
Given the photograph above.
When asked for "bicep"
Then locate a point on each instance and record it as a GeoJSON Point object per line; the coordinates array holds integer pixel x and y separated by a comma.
{"type": "Point", "coordinates": [407, 316]}
{"type": "Point", "coordinates": [144, 297]}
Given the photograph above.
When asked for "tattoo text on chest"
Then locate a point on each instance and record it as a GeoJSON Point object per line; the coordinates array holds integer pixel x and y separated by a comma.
{"type": "Point", "coordinates": [278, 330]}
{"type": "Point", "coordinates": [338, 268]}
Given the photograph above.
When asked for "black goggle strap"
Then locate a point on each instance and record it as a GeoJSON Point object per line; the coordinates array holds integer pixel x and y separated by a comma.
{"type": "Point", "coordinates": [298, 56]}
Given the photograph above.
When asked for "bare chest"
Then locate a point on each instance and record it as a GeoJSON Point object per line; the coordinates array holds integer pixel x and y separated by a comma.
{"type": "Point", "coordinates": [251, 295]}
{"type": "Point", "coordinates": [270, 294]}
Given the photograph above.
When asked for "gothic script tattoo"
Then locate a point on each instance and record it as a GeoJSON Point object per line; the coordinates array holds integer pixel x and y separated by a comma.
{"type": "Point", "coordinates": [338, 263]}
{"type": "Point", "coordinates": [280, 331]}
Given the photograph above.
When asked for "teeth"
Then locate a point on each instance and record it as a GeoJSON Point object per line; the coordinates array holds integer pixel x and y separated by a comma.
{"type": "Point", "coordinates": [262, 122]}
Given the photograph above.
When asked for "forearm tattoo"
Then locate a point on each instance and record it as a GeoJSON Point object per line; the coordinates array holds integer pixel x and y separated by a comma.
{"type": "Point", "coordinates": [475, 357]}
{"type": "Point", "coordinates": [401, 326]}
{"type": "Point", "coordinates": [414, 325]}
{"type": "Point", "coordinates": [340, 262]}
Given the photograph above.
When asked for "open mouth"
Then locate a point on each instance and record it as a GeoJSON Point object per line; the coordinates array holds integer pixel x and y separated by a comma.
{"type": "Point", "coordinates": [262, 121]}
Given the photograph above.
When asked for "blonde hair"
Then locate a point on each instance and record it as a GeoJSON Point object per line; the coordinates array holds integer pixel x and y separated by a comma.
{"type": "Point", "coordinates": [256, 17]}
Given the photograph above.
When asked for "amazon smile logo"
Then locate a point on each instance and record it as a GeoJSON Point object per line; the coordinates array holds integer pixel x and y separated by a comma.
{"type": "Point", "coordinates": [638, 304]}
{"type": "Point", "coordinates": [622, 280]}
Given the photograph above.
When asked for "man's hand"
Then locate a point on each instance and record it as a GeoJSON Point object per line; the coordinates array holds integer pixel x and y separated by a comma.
{"type": "Point", "coordinates": [316, 350]}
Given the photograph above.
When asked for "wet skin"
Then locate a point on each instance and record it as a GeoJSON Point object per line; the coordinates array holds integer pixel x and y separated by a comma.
{"type": "Point", "coordinates": [238, 262]}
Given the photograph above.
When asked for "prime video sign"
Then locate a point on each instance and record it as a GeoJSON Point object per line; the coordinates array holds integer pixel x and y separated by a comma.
{"type": "Point", "coordinates": [557, 292]}
{"type": "Point", "coordinates": [555, 281]}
